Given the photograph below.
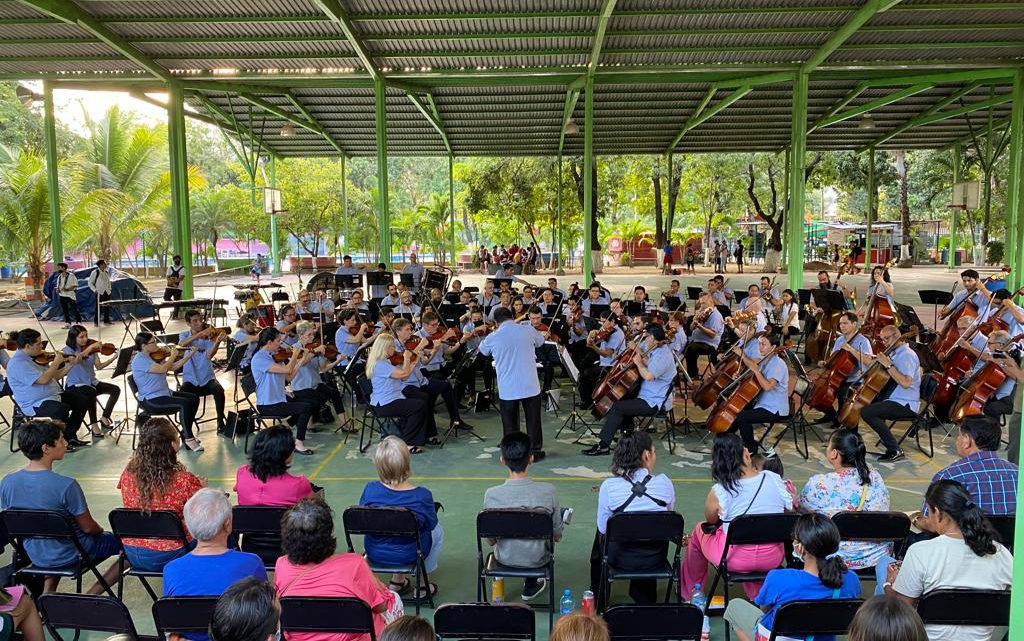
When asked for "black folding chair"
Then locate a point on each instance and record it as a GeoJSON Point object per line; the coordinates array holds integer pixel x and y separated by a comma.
{"type": "Point", "coordinates": [814, 618]}
{"type": "Point", "coordinates": [522, 524]}
{"type": "Point", "coordinates": [142, 414]}
{"type": "Point", "coordinates": [46, 524]}
{"type": "Point", "coordinates": [161, 525]}
{"type": "Point", "coordinates": [965, 607]}
{"type": "Point", "coordinates": [260, 530]}
{"type": "Point", "coordinates": [668, 621]}
{"type": "Point", "coordinates": [639, 528]}
{"type": "Point", "coordinates": [1005, 525]}
{"type": "Point", "coordinates": [396, 522]}
{"type": "Point", "coordinates": [751, 529]}
{"type": "Point", "coordinates": [181, 614]}
{"type": "Point", "coordinates": [92, 613]}
{"type": "Point", "coordinates": [485, 621]}
{"type": "Point", "coordinates": [924, 419]}
{"type": "Point", "coordinates": [371, 422]}
{"type": "Point", "coordinates": [326, 614]}
{"type": "Point", "coordinates": [256, 420]}
{"type": "Point", "coordinates": [873, 527]}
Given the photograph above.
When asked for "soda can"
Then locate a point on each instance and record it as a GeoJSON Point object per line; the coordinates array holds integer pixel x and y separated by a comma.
{"type": "Point", "coordinates": [588, 605]}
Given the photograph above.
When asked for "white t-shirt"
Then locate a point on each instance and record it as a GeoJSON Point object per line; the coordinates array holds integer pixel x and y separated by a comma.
{"type": "Point", "coordinates": [946, 562]}
{"type": "Point", "coordinates": [773, 498]}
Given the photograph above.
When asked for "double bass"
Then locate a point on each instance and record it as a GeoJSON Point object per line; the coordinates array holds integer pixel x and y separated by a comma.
{"type": "Point", "coordinates": [980, 389]}
{"type": "Point", "coordinates": [879, 313]}
{"type": "Point", "coordinates": [745, 389]}
{"type": "Point", "coordinates": [874, 381]}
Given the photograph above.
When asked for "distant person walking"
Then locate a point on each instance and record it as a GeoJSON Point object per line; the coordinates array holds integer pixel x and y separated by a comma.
{"type": "Point", "coordinates": [666, 267]}
{"type": "Point", "coordinates": [689, 259]}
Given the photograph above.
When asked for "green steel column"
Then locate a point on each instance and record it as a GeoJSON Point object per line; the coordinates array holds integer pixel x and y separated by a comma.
{"type": "Point", "coordinates": [275, 253]}
{"type": "Point", "coordinates": [1015, 203]}
{"type": "Point", "coordinates": [955, 218]}
{"type": "Point", "coordinates": [871, 208]}
{"type": "Point", "coordinates": [383, 215]}
{"type": "Point", "coordinates": [797, 166]}
{"type": "Point", "coordinates": [52, 181]}
{"type": "Point", "coordinates": [344, 203]}
{"type": "Point", "coordinates": [451, 201]}
{"type": "Point", "coordinates": [786, 208]}
{"type": "Point", "coordinates": [559, 270]}
{"type": "Point", "coordinates": [588, 181]}
{"type": "Point", "coordinates": [179, 181]}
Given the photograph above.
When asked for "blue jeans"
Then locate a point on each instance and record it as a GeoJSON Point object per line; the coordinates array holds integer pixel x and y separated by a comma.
{"type": "Point", "coordinates": [882, 573]}
{"type": "Point", "coordinates": [436, 543]}
{"type": "Point", "coordinates": [148, 560]}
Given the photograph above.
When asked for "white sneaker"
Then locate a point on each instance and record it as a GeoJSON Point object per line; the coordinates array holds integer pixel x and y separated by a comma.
{"type": "Point", "coordinates": [542, 584]}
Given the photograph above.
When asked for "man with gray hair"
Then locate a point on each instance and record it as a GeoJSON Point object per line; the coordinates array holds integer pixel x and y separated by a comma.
{"type": "Point", "coordinates": [210, 568]}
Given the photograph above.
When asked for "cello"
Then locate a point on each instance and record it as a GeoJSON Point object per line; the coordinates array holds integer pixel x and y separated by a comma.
{"type": "Point", "coordinates": [950, 333]}
{"type": "Point", "coordinates": [744, 390]}
{"type": "Point", "coordinates": [879, 313]}
{"type": "Point", "coordinates": [980, 389]}
{"type": "Point", "coordinates": [820, 343]}
{"type": "Point", "coordinates": [957, 361]}
{"type": "Point", "coordinates": [620, 381]}
{"type": "Point", "coordinates": [871, 385]}
{"type": "Point", "coordinates": [710, 389]}
{"type": "Point", "coordinates": [838, 368]}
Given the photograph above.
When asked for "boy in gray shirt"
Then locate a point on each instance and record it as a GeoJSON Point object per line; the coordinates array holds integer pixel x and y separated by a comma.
{"type": "Point", "coordinates": [520, 491]}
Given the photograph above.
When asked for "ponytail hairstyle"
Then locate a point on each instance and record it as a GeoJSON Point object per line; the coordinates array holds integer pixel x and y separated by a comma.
{"type": "Point", "coordinates": [820, 538]}
{"type": "Point", "coordinates": [267, 335]}
{"type": "Point", "coordinates": [953, 498]}
{"type": "Point", "coordinates": [140, 339]}
{"type": "Point", "coordinates": [852, 452]}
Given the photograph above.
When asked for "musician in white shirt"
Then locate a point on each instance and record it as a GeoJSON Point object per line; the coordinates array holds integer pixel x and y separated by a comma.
{"type": "Point", "coordinates": [99, 283]}
{"type": "Point", "coordinates": [67, 294]}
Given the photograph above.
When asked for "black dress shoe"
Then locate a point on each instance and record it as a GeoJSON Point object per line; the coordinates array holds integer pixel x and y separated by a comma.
{"type": "Point", "coordinates": [78, 442]}
{"type": "Point", "coordinates": [461, 425]}
{"type": "Point", "coordinates": [892, 456]}
{"type": "Point", "coordinates": [539, 455]}
{"type": "Point", "coordinates": [599, 449]}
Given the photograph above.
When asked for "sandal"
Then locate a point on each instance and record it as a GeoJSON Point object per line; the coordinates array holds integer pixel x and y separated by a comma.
{"type": "Point", "coordinates": [421, 595]}
{"type": "Point", "coordinates": [106, 423]}
{"type": "Point", "coordinates": [416, 449]}
{"type": "Point", "coordinates": [399, 588]}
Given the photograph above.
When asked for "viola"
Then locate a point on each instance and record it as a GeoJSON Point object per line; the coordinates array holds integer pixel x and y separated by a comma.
{"type": "Point", "coordinates": [870, 386]}
{"type": "Point", "coordinates": [601, 335]}
{"type": "Point", "coordinates": [451, 340]}
{"type": "Point", "coordinates": [107, 349]}
{"type": "Point", "coordinates": [746, 388]}
{"type": "Point", "coordinates": [365, 328]}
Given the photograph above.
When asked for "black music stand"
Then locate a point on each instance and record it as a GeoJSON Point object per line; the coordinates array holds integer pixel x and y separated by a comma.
{"type": "Point", "coordinates": [407, 280]}
{"type": "Point", "coordinates": [633, 308]}
{"type": "Point", "coordinates": [693, 293]}
{"type": "Point", "coordinates": [674, 303]}
{"type": "Point", "coordinates": [433, 278]}
{"type": "Point", "coordinates": [935, 297]}
{"type": "Point", "coordinates": [597, 310]}
{"type": "Point", "coordinates": [450, 314]}
{"type": "Point", "coordinates": [348, 281]}
{"type": "Point", "coordinates": [121, 368]}
{"type": "Point", "coordinates": [575, 420]}
{"type": "Point", "coordinates": [377, 283]}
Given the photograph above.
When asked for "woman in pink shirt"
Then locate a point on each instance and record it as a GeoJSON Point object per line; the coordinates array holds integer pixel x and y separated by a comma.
{"type": "Point", "coordinates": [265, 480]}
{"type": "Point", "coordinates": [310, 567]}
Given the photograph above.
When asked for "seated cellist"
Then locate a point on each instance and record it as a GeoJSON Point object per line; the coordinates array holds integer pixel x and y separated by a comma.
{"type": "Point", "coordinates": [998, 342]}
{"type": "Point", "coordinates": [772, 404]}
{"type": "Point", "coordinates": [974, 290]}
{"type": "Point", "coordinates": [857, 344]}
{"type": "Point", "coordinates": [904, 401]}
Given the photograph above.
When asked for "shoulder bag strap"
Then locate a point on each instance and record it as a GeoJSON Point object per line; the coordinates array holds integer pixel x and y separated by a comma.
{"type": "Point", "coordinates": [298, 576]}
{"type": "Point", "coordinates": [753, 498]}
{"type": "Point", "coordinates": [863, 497]}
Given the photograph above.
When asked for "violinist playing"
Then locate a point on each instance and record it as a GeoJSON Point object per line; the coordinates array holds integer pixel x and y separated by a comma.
{"type": "Point", "coordinates": [270, 377]}
{"type": "Point", "coordinates": [286, 325]}
{"type": "Point", "coordinates": [772, 404]}
{"type": "Point", "coordinates": [676, 333]}
{"type": "Point", "coordinates": [770, 294]}
{"type": "Point", "coordinates": [705, 334]}
{"type": "Point", "coordinates": [387, 396]}
{"type": "Point", "coordinates": [81, 377]}
{"type": "Point", "coordinates": [347, 343]}
{"type": "Point", "coordinates": [307, 386]}
{"type": "Point", "coordinates": [657, 367]}
{"type": "Point", "coordinates": [607, 342]}
{"type": "Point", "coordinates": [474, 330]}
{"type": "Point", "coordinates": [672, 299]}
{"type": "Point", "coordinates": [974, 290]}
{"type": "Point", "coordinates": [547, 354]}
{"type": "Point", "coordinates": [35, 386]}
{"type": "Point", "coordinates": [198, 375]}
{"type": "Point", "coordinates": [245, 338]}
{"type": "Point", "coordinates": [986, 351]}
{"type": "Point", "coordinates": [435, 370]}
{"type": "Point", "coordinates": [151, 365]}
{"type": "Point", "coordinates": [905, 399]}
{"type": "Point", "coordinates": [859, 346]}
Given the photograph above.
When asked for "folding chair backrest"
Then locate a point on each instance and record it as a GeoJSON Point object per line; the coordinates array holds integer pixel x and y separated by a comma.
{"type": "Point", "coordinates": [257, 519]}
{"type": "Point", "coordinates": [44, 524]}
{"type": "Point", "coordinates": [484, 621]}
{"type": "Point", "coordinates": [761, 528]}
{"type": "Point", "coordinates": [1005, 524]}
{"type": "Point", "coordinates": [99, 613]}
{"type": "Point", "coordinates": [807, 618]}
{"type": "Point", "coordinates": [523, 523]}
{"type": "Point", "coordinates": [133, 386]}
{"type": "Point", "coordinates": [965, 607]}
{"type": "Point", "coordinates": [380, 521]}
{"type": "Point", "coordinates": [183, 614]}
{"type": "Point", "coordinates": [326, 614]}
{"type": "Point", "coordinates": [879, 527]}
{"type": "Point", "coordinates": [248, 384]}
{"type": "Point", "coordinates": [662, 621]}
{"type": "Point", "coordinates": [640, 527]}
{"type": "Point", "coordinates": [363, 389]}
{"type": "Point", "coordinates": [140, 524]}
{"type": "Point", "coordinates": [929, 385]}
{"type": "Point", "coordinates": [154, 326]}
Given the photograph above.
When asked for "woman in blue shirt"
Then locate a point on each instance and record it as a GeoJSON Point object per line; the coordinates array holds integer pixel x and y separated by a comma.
{"type": "Point", "coordinates": [772, 404]}
{"type": "Point", "coordinates": [270, 377]}
{"type": "Point", "coordinates": [307, 385]}
{"type": "Point", "coordinates": [825, 576]}
{"type": "Point", "coordinates": [394, 467]}
{"type": "Point", "coordinates": [155, 396]}
{"type": "Point", "coordinates": [245, 339]}
{"type": "Point", "coordinates": [81, 377]}
{"type": "Point", "coordinates": [386, 395]}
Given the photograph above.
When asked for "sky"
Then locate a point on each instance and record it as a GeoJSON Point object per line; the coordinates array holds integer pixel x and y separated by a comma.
{"type": "Point", "coordinates": [70, 106]}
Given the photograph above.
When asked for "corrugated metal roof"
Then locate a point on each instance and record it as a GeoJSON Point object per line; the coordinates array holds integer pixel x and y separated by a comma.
{"type": "Point", "coordinates": [483, 60]}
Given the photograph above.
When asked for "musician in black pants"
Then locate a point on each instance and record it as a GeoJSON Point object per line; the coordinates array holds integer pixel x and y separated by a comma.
{"type": "Point", "coordinates": [99, 283]}
{"type": "Point", "coordinates": [705, 335]}
{"type": "Point", "coordinates": [904, 401]}
{"type": "Point", "coordinates": [607, 342]}
{"type": "Point", "coordinates": [772, 404]}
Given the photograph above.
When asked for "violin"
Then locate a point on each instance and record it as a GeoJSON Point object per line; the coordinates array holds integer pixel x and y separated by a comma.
{"type": "Point", "coordinates": [161, 354]}
{"type": "Point", "coordinates": [107, 349]}
{"type": "Point", "coordinates": [451, 340]}
{"type": "Point", "coordinates": [330, 351]}
{"type": "Point", "coordinates": [601, 335]}
{"type": "Point", "coordinates": [365, 328]}
{"type": "Point", "coordinates": [44, 358]}
{"type": "Point", "coordinates": [282, 355]}
{"type": "Point", "coordinates": [415, 340]}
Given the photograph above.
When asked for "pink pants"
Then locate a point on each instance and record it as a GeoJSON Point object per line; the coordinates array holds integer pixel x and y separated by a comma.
{"type": "Point", "coordinates": [707, 548]}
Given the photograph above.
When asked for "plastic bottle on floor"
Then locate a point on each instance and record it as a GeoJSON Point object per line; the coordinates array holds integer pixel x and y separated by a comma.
{"type": "Point", "coordinates": [699, 600]}
{"type": "Point", "coordinates": [568, 604]}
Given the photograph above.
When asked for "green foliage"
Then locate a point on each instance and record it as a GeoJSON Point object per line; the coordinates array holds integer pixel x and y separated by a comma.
{"type": "Point", "coordinates": [994, 252]}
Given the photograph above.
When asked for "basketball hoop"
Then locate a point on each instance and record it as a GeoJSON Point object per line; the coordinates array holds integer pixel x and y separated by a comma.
{"type": "Point", "coordinates": [966, 195]}
{"type": "Point", "coordinates": [272, 201]}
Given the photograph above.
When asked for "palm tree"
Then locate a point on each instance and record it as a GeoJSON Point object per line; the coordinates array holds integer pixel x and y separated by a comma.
{"type": "Point", "coordinates": [436, 221]}
{"type": "Point", "coordinates": [212, 213]}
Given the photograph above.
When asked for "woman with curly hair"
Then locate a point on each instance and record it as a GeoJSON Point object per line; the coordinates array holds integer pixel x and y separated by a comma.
{"type": "Point", "coordinates": [310, 567]}
{"type": "Point", "coordinates": [154, 479]}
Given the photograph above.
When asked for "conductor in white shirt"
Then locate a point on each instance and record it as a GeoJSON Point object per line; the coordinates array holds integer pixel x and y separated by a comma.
{"type": "Point", "coordinates": [513, 348]}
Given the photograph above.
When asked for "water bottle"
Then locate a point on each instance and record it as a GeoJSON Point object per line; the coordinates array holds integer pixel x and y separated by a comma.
{"type": "Point", "coordinates": [498, 590]}
{"type": "Point", "coordinates": [697, 598]}
{"type": "Point", "coordinates": [705, 631]}
{"type": "Point", "coordinates": [568, 604]}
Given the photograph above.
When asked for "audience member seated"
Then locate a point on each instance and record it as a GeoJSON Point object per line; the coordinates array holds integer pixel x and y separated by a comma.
{"type": "Point", "coordinates": [990, 480]}
{"type": "Point", "coordinates": [247, 611]}
{"type": "Point", "coordinates": [19, 614]}
{"type": "Point", "coordinates": [824, 576]}
{"type": "Point", "coordinates": [851, 487]}
{"type": "Point", "coordinates": [886, 618]}
{"type": "Point", "coordinates": [310, 567]}
{"type": "Point", "coordinates": [739, 490]}
{"type": "Point", "coordinates": [394, 467]}
{"type": "Point", "coordinates": [408, 628]}
{"type": "Point", "coordinates": [580, 627]}
{"type": "Point", "coordinates": [520, 491]}
{"type": "Point", "coordinates": [964, 554]}
{"type": "Point", "coordinates": [771, 461]}
{"type": "Point", "coordinates": [633, 487]}
{"type": "Point", "coordinates": [211, 567]}
{"type": "Point", "coordinates": [155, 480]}
{"type": "Point", "coordinates": [38, 487]}
{"type": "Point", "coordinates": [266, 480]}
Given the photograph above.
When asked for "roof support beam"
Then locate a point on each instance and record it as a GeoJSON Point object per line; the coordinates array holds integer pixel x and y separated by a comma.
{"type": "Point", "coordinates": [607, 7]}
{"type": "Point", "coordinates": [868, 106]}
{"type": "Point", "coordinates": [842, 34]}
{"type": "Point", "coordinates": [311, 118]}
{"type": "Point", "coordinates": [333, 9]}
{"type": "Point", "coordinates": [943, 115]}
{"type": "Point", "coordinates": [141, 96]}
{"type": "Point", "coordinates": [279, 112]}
{"type": "Point", "coordinates": [571, 98]}
{"type": "Point", "coordinates": [70, 12]}
{"type": "Point", "coordinates": [700, 115]}
{"type": "Point", "coordinates": [429, 111]}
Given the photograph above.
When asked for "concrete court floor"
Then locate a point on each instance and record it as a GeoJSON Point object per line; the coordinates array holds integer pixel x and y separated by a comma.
{"type": "Point", "coordinates": [459, 473]}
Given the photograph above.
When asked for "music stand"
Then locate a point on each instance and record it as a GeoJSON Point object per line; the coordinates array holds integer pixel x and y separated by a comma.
{"type": "Point", "coordinates": [451, 314]}
{"type": "Point", "coordinates": [434, 278]}
{"type": "Point", "coordinates": [406, 279]}
{"type": "Point", "coordinates": [830, 302]}
{"type": "Point", "coordinates": [575, 420]}
{"type": "Point", "coordinates": [693, 293]}
{"type": "Point", "coordinates": [935, 297]}
{"type": "Point", "coordinates": [673, 303]}
{"type": "Point", "coordinates": [632, 308]}
{"type": "Point", "coordinates": [348, 281]}
{"type": "Point", "coordinates": [499, 281]}
{"type": "Point", "coordinates": [121, 368]}
{"type": "Point", "coordinates": [597, 310]}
